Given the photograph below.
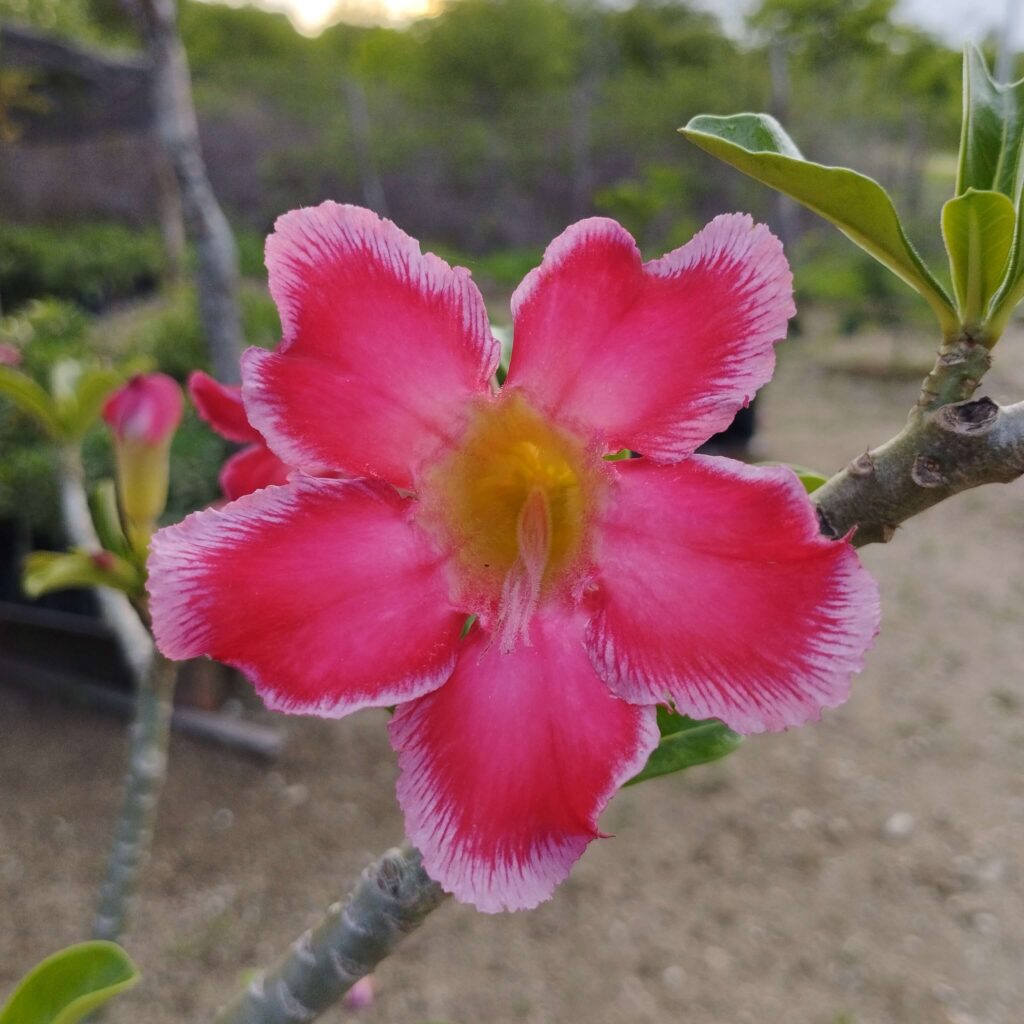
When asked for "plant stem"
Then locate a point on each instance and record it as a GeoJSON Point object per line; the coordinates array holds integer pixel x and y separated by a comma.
{"type": "Point", "coordinates": [392, 899]}
{"type": "Point", "coordinates": [147, 763]}
{"type": "Point", "coordinates": [132, 636]}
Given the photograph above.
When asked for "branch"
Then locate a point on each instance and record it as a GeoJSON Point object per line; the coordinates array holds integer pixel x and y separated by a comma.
{"type": "Point", "coordinates": [144, 777]}
{"type": "Point", "coordinates": [392, 899]}
{"type": "Point", "coordinates": [936, 455]}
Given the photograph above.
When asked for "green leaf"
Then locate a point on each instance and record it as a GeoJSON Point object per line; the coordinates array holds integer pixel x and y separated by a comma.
{"type": "Point", "coordinates": [70, 984]}
{"type": "Point", "coordinates": [757, 145]}
{"type": "Point", "coordinates": [47, 571]}
{"type": "Point", "coordinates": [978, 231]}
{"type": "Point", "coordinates": [810, 478]}
{"type": "Point", "coordinates": [25, 393]}
{"type": "Point", "coordinates": [106, 518]}
{"type": "Point", "coordinates": [688, 743]}
{"type": "Point", "coordinates": [993, 127]}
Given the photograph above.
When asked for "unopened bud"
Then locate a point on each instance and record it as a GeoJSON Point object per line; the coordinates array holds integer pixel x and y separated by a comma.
{"type": "Point", "coordinates": [143, 416]}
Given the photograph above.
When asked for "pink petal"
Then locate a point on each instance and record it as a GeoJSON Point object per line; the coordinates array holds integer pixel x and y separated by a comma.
{"type": "Point", "coordinates": [322, 592]}
{"type": "Point", "coordinates": [250, 470]}
{"type": "Point", "coordinates": [220, 405]}
{"type": "Point", "coordinates": [506, 768]}
{"type": "Point", "coordinates": [716, 591]}
{"type": "Point", "coordinates": [382, 347]}
{"type": "Point", "coordinates": [655, 357]}
{"type": "Point", "coordinates": [146, 409]}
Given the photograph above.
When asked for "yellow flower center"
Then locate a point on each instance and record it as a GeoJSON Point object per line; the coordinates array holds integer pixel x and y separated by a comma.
{"type": "Point", "coordinates": [513, 498]}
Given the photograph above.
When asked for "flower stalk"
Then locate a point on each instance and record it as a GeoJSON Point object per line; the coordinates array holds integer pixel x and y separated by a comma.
{"type": "Point", "coordinates": [144, 777]}
{"type": "Point", "coordinates": [392, 899]}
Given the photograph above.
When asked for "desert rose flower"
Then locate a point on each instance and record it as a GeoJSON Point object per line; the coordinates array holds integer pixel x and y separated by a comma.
{"type": "Point", "coordinates": [255, 466]}
{"type": "Point", "coordinates": [9, 355]}
{"type": "Point", "coordinates": [602, 588]}
{"type": "Point", "coordinates": [143, 416]}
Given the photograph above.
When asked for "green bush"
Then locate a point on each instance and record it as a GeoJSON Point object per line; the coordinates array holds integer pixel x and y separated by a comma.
{"type": "Point", "coordinates": [92, 265]}
{"type": "Point", "coordinates": [44, 332]}
{"type": "Point", "coordinates": [173, 335]}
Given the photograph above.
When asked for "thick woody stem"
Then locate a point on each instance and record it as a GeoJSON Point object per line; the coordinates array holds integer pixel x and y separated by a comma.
{"type": "Point", "coordinates": [950, 444]}
{"type": "Point", "coordinates": [144, 776]}
{"type": "Point", "coordinates": [938, 454]}
{"type": "Point", "coordinates": [392, 899]}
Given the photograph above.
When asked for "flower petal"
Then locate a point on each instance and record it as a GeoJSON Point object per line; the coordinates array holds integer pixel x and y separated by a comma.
{"type": "Point", "coordinates": [220, 405]}
{"type": "Point", "coordinates": [251, 469]}
{"type": "Point", "coordinates": [716, 591]}
{"type": "Point", "coordinates": [656, 357]}
{"type": "Point", "coordinates": [322, 592]}
{"type": "Point", "coordinates": [382, 346]}
{"type": "Point", "coordinates": [506, 768]}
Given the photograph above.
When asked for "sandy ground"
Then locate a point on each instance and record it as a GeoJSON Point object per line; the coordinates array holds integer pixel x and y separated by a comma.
{"type": "Point", "coordinates": [865, 870]}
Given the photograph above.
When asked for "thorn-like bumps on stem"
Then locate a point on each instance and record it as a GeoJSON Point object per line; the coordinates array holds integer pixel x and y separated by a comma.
{"type": "Point", "coordinates": [392, 898]}
{"type": "Point", "coordinates": [959, 367]}
{"type": "Point", "coordinates": [939, 453]}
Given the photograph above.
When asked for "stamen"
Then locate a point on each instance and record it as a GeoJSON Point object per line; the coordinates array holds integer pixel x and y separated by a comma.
{"type": "Point", "coordinates": [520, 592]}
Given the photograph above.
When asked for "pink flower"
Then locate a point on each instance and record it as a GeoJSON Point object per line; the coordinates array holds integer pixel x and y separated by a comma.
{"type": "Point", "coordinates": [9, 355]}
{"type": "Point", "coordinates": [143, 416]}
{"type": "Point", "coordinates": [255, 466]}
{"type": "Point", "coordinates": [147, 409]}
{"type": "Point", "coordinates": [601, 588]}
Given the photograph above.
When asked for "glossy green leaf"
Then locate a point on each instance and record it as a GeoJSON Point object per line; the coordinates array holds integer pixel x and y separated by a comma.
{"type": "Point", "coordinates": [991, 145]}
{"type": "Point", "coordinates": [671, 722]}
{"type": "Point", "coordinates": [978, 231]}
{"type": "Point", "coordinates": [691, 744]}
{"type": "Point", "coordinates": [67, 986]}
{"type": "Point", "coordinates": [757, 145]}
{"type": "Point", "coordinates": [25, 393]}
{"type": "Point", "coordinates": [107, 518]}
{"type": "Point", "coordinates": [992, 132]}
{"type": "Point", "coordinates": [47, 571]}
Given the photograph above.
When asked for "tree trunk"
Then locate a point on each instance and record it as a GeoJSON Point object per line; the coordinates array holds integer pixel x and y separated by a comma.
{"type": "Point", "coordinates": [175, 118]}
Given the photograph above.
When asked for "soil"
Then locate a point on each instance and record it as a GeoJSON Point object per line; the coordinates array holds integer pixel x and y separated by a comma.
{"type": "Point", "coordinates": [865, 870]}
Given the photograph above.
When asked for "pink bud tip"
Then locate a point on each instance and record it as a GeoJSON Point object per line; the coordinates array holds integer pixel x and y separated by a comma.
{"type": "Point", "coordinates": [148, 408]}
{"type": "Point", "coordinates": [360, 995]}
{"type": "Point", "coordinates": [9, 355]}
{"type": "Point", "coordinates": [103, 560]}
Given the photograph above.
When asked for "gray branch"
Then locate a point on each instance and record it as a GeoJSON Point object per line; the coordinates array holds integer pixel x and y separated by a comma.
{"type": "Point", "coordinates": [144, 777]}
{"type": "Point", "coordinates": [392, 899]}
{"type": "Point", "coordinates": [175, 114]}
{"type": "Point", "coordinates": [938, 454]}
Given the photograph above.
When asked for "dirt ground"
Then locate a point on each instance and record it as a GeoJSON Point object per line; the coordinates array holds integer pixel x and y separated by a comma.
{"type": "Point", "coordinates": [866, 870]}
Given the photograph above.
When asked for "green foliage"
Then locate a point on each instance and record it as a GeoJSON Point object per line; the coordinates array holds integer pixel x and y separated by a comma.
{"type": "Point", "coordinates": [991, 143]}
{"type": "Point", "coordinates": [978, 230]}
{"type": "Point", "coordinates": [48, 571]}
{"type": "Point", "coordinates": [90, 264]}
{"type": "Point", "coordinates": [70, 984]}
{"type": "Point", "coordinates": [757, 145]}
{"type": "Point", "coordinates": [495, 52]}
{"type": "Point", "coordinates": [686, 743]}
{"type": "Point", "coordinates": [172, 333]}
{"type": "Point", "coordinates": [825, 31]}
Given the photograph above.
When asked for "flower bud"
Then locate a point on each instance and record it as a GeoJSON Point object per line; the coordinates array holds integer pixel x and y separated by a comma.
{"type": "Point", "coordinates": [143, 415]}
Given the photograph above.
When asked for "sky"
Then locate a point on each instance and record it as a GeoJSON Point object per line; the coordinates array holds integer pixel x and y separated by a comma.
{"type": "Point", "coordinates": [955, 20]}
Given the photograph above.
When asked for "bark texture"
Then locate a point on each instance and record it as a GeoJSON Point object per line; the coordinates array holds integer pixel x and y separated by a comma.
{"type": "Point", "coordinates": [175, 117]}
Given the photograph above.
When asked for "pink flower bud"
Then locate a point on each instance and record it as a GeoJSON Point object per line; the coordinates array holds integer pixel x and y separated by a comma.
{"type": "Point", "coordinates": [143, 416]}
{"type": "Point", "coordinates": [360, 995]}
{"type": "Point", "coordinates": [148, 409]}
{"type": "Point", "coordinates": [9, 355]}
